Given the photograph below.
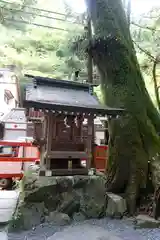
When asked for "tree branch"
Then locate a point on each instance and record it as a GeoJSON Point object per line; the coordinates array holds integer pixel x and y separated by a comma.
{"type": "Point", "coordinates": [145, 51]}
{"type": "Point", "coordinates": [144, 27]}
{"type": "Point", "coordinates": [156, 88]}
{"type": "Point", "coordinates": [151, 17]}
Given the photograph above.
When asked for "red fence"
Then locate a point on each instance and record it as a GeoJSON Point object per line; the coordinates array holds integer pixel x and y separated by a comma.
{"type": "Point", "coordinates": [100, 158]}
{"type": "Point", "coordinates": [12, 166]}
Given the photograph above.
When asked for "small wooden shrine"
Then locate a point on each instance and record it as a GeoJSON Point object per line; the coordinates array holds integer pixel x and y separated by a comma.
{"type": "Point", "coordinates": [63, 138]}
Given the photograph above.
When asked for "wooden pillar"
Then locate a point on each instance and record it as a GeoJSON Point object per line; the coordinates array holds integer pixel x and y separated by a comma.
{"type": "Point", "coordinates": [80, 126]}
{"type": "Point", "coordinates": [93, 144]}
{"type": "Point", "coordinates": [49, 139]}
{"type": "Point", "coordinates": [90, 141]}
{"type": "Point", "coordinates": [44, 136]}
{"type": "Point", "coordinates": [54, 123]}
{"type": "Point", "coordinates": [71, 123]}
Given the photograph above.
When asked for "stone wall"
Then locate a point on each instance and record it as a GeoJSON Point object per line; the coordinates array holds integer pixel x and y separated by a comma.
{"type": "Point", "coordinates": [59, 200]}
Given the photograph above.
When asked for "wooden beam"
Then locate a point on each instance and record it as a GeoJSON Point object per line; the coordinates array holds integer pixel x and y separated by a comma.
{"type": "Point", "coordinates": [11, 175]}
{"type": "Point", "coordinates": [16, 144]}
{"type": "Point", "coordinates": [66, 172]}
{"type": "Point", "coordinates": [66, 154]}
{"type": "Point", "coordinates": [17, 159]}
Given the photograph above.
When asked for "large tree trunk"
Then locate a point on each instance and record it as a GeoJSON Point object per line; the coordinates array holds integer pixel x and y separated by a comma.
{"type": "Point", "coordinates": [133, 137]}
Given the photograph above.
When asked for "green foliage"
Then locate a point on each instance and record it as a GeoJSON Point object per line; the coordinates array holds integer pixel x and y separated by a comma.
{"type": "Point", "coordinates": [36, 50]}
{"type": "Point", "coordinates": [11, 13]}
{"type": "Point", "coordinates": [146, 38]}
{"type": "Point", "coordinates": [50, 52]}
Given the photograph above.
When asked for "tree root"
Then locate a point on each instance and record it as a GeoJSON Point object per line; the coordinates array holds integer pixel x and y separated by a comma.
{"type": "Point", "coordinates": [119, 180]}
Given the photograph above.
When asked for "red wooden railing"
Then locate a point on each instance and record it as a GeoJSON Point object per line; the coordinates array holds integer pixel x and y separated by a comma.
{"type": "Point", "coordinates": [100, 158]}
{"type": "Point", "coordinates": [12, 166]}
{"type": "Point", "coordinates": [15, 143]}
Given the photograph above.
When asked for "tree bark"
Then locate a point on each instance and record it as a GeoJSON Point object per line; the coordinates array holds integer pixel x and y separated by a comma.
{"type": "Point", "coordinates": [133, 137]}
{"type": "Point", "coordinates": [156, 87]}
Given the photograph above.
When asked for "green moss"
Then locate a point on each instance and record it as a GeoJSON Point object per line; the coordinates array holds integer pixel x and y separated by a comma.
{"type": "Point", "coordinates": [16, 223]}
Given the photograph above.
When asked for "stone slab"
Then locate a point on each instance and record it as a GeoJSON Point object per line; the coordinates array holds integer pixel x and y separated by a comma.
{"type": "Point", "coordinates": [6, 214]}
{"type": "Point", "coordinates": [3, 236]}
{"type": "Point", "coordinates": [116, 205]}
{"type": "Point", "coordinates": [8, 203]}
{"type": "Point", "coordinates": [144, 221]}
{"type": "Point", "coordinates": [4, 194]}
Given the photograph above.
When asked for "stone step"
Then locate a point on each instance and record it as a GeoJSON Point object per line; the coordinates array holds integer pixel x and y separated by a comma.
{"type": "Point", "coordinates": [6, 214]}
{"type": "Point", "coordinates": [8, 203]}
{"type": "Point", "coordinates": [144, 221]}
{"type": "Point", "coordinates": [12, 194]}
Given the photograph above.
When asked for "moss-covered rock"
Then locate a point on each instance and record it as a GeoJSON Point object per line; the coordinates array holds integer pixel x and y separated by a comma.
{"type": "Point", "coordinates": [57, 218]}
{"type": "Point", "coordinates": [144, 221]}
{"type": "Point", "coordinates": [66, 195]}
{"type": "Point", "coordinates": [28, 216]}
{"type": "Point", "coordinates": [92, 201]}
{"type": "Point", "coordinates": [116, 206]}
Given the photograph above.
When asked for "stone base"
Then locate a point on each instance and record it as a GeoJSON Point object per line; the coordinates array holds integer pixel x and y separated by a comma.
{"type": "Point", "coordinates": [60, 200]}
{"type": "Point", "coordinates": [116, 206]}
{"type": "Point", "coordinates": [144, 221]}
{"type": "Point", "coordinates": [74, 196]}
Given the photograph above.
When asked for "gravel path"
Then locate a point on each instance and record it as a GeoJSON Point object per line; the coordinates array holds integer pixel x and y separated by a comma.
{"type": "Point", "coordinates": [121, 228]}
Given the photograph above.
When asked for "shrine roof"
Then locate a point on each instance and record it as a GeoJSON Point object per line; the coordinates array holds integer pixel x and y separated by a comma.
{"type": "Point", "coordinates": [60, 95]}
{"type": "Point", "coordinates": [46, 81]}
